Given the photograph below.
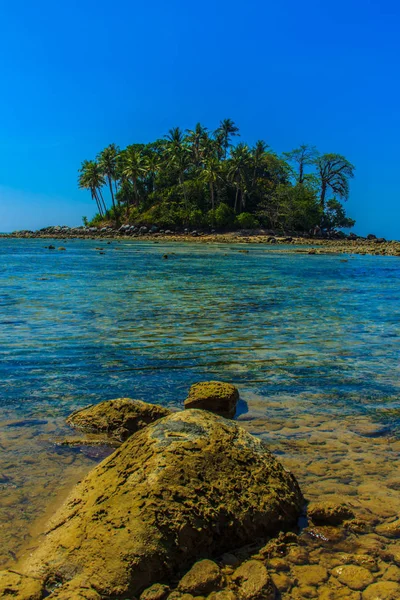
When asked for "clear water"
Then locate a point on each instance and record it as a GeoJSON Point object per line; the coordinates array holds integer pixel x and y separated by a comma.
{"type": "Point", "coordinates": [77, 326]}
{"type": "Point", "coordinates": [304, 335]}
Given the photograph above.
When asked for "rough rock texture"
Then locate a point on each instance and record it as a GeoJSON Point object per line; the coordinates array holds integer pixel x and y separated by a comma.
{"type": "Point", "coordinates": [155, 592]}
{"type": "Point", "coordinates": [253, 581]}
{"type": "Point", "coordinates": [118, 418]}
{"type": "Point", "coordinates": [390, 530]}
{"type": "Point", "coordinates": [203, 578]}
{"type": "Point", "coordinates": [385, 590]}
{"type": "Point", "coordinates": [13, 586]}
{"type": "Point", "coordinates": [354, 576]}
{"type": "Point", "coordinates": [189, 485]}
{"type": "Point", "coordinates": [329, 513]}
{"type": "Point", "coordinates": [215, 396]}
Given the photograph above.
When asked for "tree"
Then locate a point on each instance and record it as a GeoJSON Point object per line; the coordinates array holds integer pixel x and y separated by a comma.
{"type": "Point", "coordinates": [301, 157]}
{"type": "Point", "coordinates": [92, 178]}
{"type": "Point", "coordinates": [195, 138]}
{"type": "Point", "coordinates": [226, 130]}
{"type": "Point", "coordinates": [238, 171]}
{"type": "Point", "coordinates": [107, 160]}
{"type": "Point", "coordinates": [178, 156]}
{"type": "Point", "coordinates": [211, 174]}
{"type": "Point", "coordinates": [335, 216]}
{"type": "Point", "coordinates": [334, 172]}
{"type": "Point", "coordinates": [133, 167]}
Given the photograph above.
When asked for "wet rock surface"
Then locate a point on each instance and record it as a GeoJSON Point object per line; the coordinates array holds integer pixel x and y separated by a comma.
{"type": "Point", "coordinates": [215, 396]}
{"type": "Point", "coordinates": [188, 485]}
{"type": "Point", "coordinates": [118, 418]}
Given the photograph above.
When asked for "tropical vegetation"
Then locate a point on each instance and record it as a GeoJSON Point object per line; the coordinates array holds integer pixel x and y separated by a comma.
{"type": "Point", "coordinates": [198, 178]}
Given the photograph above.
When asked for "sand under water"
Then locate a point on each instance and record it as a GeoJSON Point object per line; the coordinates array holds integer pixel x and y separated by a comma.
{"type": "Point", "coordinates": [311, 342]}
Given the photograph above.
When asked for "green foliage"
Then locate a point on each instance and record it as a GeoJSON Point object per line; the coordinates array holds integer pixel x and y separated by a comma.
{"type": "Point", "coordinates": [335, 216]}
{"type": "Point", "coordinates": [85, 221]}
{"type": "Point", "coordinates": [247, 221]}
{"type": "Point", "coordinates": [202, 179]}
{"type": "Point", "coordinates": [224, 217]}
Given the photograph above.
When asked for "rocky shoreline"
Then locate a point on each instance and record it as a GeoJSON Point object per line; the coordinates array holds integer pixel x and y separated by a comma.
{"type": "Point", "coordinates": [338, 244]}
{"type": "Point", "coordinates": [191, 506]}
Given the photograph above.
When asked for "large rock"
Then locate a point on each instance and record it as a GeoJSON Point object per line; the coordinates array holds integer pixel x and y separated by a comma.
{"type": "Point", "coordinates": [215, 396]}
{"type": "Point", "coordinates": [19, 587]}
{"type": "Point", "coordinates": [118, 418]}
{"type": "Point", "coordinates": [188, 486]}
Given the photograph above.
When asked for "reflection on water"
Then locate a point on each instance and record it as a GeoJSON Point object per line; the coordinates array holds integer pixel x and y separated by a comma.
{"type": "Point", "coordinates": [311, 341]}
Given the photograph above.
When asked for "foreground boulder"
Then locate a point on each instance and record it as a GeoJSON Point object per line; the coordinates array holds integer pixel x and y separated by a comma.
{"type": "Point", "coordinates": [118, 418]}
{"type": "Point", "coordinates": [188, 486]}
{"type": "Point", "coordinates": [215, 396]}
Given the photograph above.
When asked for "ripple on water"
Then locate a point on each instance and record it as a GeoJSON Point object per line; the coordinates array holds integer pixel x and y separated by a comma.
{"type": "Point", "coordinates": [312, 344]}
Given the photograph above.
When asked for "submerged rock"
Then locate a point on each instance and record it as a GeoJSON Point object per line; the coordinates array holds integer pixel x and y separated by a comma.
{"type": "Point", "coordinates": [189, 485]}
{"type": "Point", "coordinates": [203, 578]}
{"type": "Point", "coordinates": [13, 585]}
{"type": "Point", "coordinates": [118, 418]}
{"type": "Point", "coordinates": [215, 396]}
{"type": "Point", "coordinates": [329, 513]}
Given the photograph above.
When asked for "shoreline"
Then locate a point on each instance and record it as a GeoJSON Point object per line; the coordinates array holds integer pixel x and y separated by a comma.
{"type": "Point", "coordinates": [319, 245]}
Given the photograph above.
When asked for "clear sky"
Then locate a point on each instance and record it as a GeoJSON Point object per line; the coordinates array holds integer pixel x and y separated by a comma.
{"type": "Point", "coordinates": [78, 75]}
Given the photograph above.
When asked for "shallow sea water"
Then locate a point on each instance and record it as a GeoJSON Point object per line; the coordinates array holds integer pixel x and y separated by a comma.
{"type": "Point", "coordinates": [312, 341]}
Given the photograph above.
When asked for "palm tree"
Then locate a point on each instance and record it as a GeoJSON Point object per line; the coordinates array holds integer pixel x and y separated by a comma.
{"type": "Point", "coordinates": [240, 162]}
{"type": "Point", "coordinates": [107, 160]}
{"type": "Point", "coordinates": [133, 167]}
{"type": "Point", "coordinates": [92, 178]}
{"type": "Point", "coordinates": [334, 172]}
{"type": "Point", "coordinates": [196, 139]}
{"type": "Point", "coordinates": [151, 166]}
{"type": "Point", "coordinates": [257, 154]}
{"type": "Point", "coordinates": [225, 131]}
{"type": "Point", "coordinates": [211, 174]}
{"type": "Point", "coordinates": [178, 156]}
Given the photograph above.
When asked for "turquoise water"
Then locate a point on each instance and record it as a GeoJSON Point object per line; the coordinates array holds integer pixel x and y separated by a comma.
{"type": "Point", "coordinates": [79, 326]}
{"type": "Point", "coordinates": [309, 340]}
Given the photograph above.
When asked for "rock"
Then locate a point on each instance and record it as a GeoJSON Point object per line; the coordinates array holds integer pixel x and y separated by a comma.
{"type": "Point", "coordinates": [384, 590]}
{"type": "Point", "coordinates": [390, 530]}
{"type": "Point", "coordinates": [189, 485]}
{"type": "Point", "coordinates": [310, 574]}
{"type": "Point", "coordinates": [118, 418]}
{"type": "Point", "coordinates": [62, 248]}
{"type": "Point", "coordinates": [371, 236]}
{"type": "Point", "coordinates": [281, 581]}
{"type": "Point", "coordinates": [325, 533]}
{"type": "Point", "coordinates": [354, 576]}
{"type": "Point", "coordinates": [215, 396]}
{"type": "Point", "coordinates": [155, 592]}
{"type": "Point", "coordinates": [328, 513]}
{"type": "Point", "coordinates": [253, 581]}
{"type": "Point", "coordinates": [51, 247]}
{"type": "Point", "coordinates": [204, 577]}
{"type": "Point", "coordinates": [222, 595]}
{"type": "Point", "coordinates": [392, 574]}
{"type": "Point", "coordinates": [19, 587]}
{"type": "Point", "coordinates": [340, 593]}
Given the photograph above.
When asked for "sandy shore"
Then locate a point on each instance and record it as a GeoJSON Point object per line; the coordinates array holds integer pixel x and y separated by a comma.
{"type": "Point", "coordinates": [362, 246]}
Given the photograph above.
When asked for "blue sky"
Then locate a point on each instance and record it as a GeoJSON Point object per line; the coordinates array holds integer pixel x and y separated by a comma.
{"type": "Point", "coordinates": [76, 76]}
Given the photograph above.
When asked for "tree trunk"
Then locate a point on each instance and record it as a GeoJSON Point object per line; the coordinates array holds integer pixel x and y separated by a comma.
{"type": "Point", "coordinates": [212, 197]}
{"type": "Point", "coordinates": [112, 193]}
{"type": "Point", "coordinates": [99, 207]}
{"type": "Point", "coordinates": [102, 199]}
{"type": "Point", "coordinates": [301, 172]}
{"type": "Point", "coordinates": [323, 194]}
{"type": "Point", "coordinates": [236, 199]}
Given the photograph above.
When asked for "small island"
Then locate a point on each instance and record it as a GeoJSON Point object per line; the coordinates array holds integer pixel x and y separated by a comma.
{"type": "Point", "coordinates": [199, 179]}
